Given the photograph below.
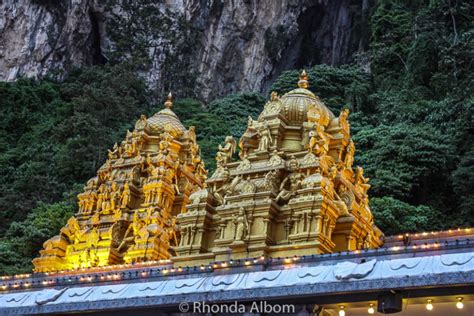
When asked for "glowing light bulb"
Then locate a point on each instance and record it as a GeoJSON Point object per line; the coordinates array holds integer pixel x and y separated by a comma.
{"type": "Point", "coordinates": [429, 305]}
{"type": "Point", "coordinates": [371, 309]}
{"type": "Point", "coordinates": [342, 312]}
{"type": "Point", "coordinates": [459, 304]}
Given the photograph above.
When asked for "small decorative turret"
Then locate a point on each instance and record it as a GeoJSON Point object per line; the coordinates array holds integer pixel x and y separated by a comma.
{"type": "Point", "coordinates": [303, 82]}
{"type": "Point", "coordinates": [169, 101]}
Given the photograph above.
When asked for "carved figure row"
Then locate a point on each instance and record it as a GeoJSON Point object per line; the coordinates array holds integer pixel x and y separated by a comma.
{"type": "Point", "coordinates": [106, 199]}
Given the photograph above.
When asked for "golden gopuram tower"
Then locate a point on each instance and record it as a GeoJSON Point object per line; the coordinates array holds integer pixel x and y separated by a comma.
{"type": "Point", "coordinates": [293, 190]}
{"type": "Point", "coordinates": [127, 213]}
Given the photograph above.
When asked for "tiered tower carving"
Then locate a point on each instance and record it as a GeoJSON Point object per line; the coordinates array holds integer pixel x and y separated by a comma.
{"type": "Point", "coordinates": [293, 190]}
{"type": "Point", "coordinates": [127, 213]}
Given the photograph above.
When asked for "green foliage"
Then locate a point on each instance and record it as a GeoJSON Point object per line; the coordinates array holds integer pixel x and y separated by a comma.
{"type": "Point", "coordinates": [336, 86]}
{"type": "Point", "coordinates": [422, 118]}
{"type": "Point", "coordinates": [393, 216]}
{"type": "Point", "coordinates": [24, 239]}
{"type": "Point", "coordinates": [463, 181]}
{"type": "Point", "coordinates": [187, 108]}
{"type": "Point", "coordinates": [406, 161]}
{"type": "Point", "coordinates": [54, 135]}
{"type": "Point", "coordinates": [420, 43]}
{"type": "Point", "coordinates": [235, 109]}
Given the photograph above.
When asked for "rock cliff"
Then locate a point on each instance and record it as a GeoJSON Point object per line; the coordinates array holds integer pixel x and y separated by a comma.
{"type": "Point", "coordinates": [218, 46]}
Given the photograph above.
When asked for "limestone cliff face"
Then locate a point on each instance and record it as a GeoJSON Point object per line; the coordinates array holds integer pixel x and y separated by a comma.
{"type": "Point", "coordinates": [238, 45]}
{"type": "Point", "coordinates": [40, 36]}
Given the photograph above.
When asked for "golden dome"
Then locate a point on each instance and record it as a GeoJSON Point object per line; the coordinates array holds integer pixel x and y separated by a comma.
{"type": "Point", "coordinates": [166, 120]}
{"type": "Point", "coordinates": [297, 102]}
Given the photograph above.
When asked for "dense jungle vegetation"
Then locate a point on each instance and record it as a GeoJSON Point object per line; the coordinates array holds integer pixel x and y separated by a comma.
{"type": "Point", "coordinates": [411, 119]}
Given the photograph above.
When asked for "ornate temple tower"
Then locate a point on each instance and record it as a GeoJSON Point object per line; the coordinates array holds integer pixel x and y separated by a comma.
{"type": "Point", "coordinates": [293, 190]}
{"type": "Point", "coordinates": [127, 212]}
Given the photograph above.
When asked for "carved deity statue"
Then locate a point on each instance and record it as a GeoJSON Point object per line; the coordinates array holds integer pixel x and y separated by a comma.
{"type": "Point", "coordinates": [105, 200]}
{"type": "Point", "coordinates": [274, 96]}
{"type": "Point", "coordinates": [149, 166]}
{"type": "Point", "coordinates": [319, 141]}
{"type": "Point", "coordinates": [243, 150]}
{"type": "Point", "coordinates": [224, 155]}
{"type": "Point", "coordinates": [116, 152]}
{"type": "Point", "coordinates": [242, 226]}
{"type": "Point", "coordinates": [125, 197]}
{"type": "Point", "coordinates": [225, 189]}
{"type": "Point", "coordinates": [349, 158]}
{"type": "Point", "coordinates": [313, 145]}
{"type": "Point", "coordinates": [198, 163]}
{"type": "Point", "coordinates": [154, 227]}
{"type": "Point", "coordinates": [131, 143]}
{"type": "Point", "coordinates": [165, 142]}
{"type": "Point", "coordinates": [171, 232]}
{"type": "Point", "coordinates": [271, 181]}
{"type": "Point", "coordinates": [343, 122]}
{"type": "Point", "coordinates": [100, 197]}
{"type": "Point", "coordinates": [132, 231]}
{"type": "Point", "coordinates": [265, 138]}
{"type": "Point", "coordinates": [114, 196]}
{"type": "Point", "coordinates": [141, 123]}
{"type": "Point", "coordinates": [361, 181]}
{"type": "Point", "coordinates": [72, 230]}
{"type": "Point", "coordinates": [292, 181]}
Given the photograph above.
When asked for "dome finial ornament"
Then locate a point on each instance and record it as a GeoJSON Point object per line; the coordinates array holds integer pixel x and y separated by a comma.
{"type": "Point", "coordinates": [169, 101]}
{"type": "Point", "coordinates": [303, 82]}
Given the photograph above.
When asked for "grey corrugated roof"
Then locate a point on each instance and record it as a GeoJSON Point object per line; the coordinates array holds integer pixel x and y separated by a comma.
{"type": "Point", "coordinates": [368, 272]}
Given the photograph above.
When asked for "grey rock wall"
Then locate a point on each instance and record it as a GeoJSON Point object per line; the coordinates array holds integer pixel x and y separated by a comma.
{"type": "Point", "coordinates": [240, 45]}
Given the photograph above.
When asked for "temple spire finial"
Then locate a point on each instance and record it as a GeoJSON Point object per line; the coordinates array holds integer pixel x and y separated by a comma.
{"type": "Point", "coordinates": [169, 101]}
{"type": "Point", "coordinates": [303, 82]}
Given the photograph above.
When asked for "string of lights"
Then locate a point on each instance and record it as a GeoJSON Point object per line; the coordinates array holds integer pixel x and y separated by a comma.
{"type": "Point", "coordinates": [165, 267]}
{"type": "Point", "coordinates": [434, 233]}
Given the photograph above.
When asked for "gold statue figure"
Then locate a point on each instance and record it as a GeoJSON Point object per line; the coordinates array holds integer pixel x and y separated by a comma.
{"type": "Point", "coordinates": [242, 226]}
{"type": "Point", "coordinates": [265, 138]}
{"type": "Point", "coordinates": [349, 158]}
{"type": "Point", "coordinates": [294, 180]}
{"type": "Point", "coordinates": [361, 181]}
{"type": "Point", "coordinates": [225, 153]}
{"type": "Point", "coordinates": [115, 152]}
{"type": "Point", "coordinates": [141, 123]}
{"type": "Point", "coordinates": [125, 197]}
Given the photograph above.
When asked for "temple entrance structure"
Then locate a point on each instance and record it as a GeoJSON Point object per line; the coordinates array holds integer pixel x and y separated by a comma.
{"type": "Point", "coordinates": [293, 190]}
{"type": "Point", "coordinates": [127, 213]}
